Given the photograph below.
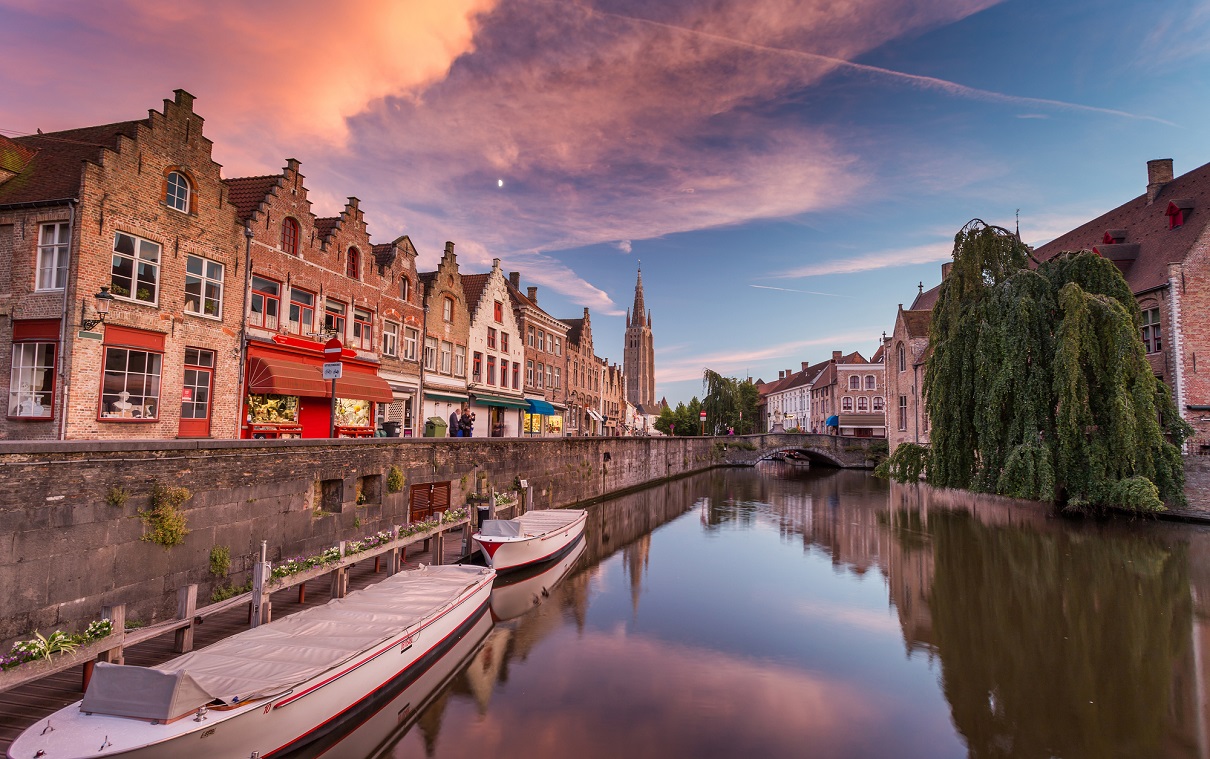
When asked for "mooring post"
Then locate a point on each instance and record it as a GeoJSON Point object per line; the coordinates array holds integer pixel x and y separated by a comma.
{"type": "Point", "coordinates": [438, 557]}
{"type": "Point", "coordinates": [491, 504]}
{"type": "Point", "coordinates": [393, 554]}
{"type": "Point", "coordinates": [117, 617]}
{"type": "Point", "coordinates": [186, 607]}
{"type": "Point", "coordinates": [260, 577]}
{"type": "Point", "coordinates": [529, 498]}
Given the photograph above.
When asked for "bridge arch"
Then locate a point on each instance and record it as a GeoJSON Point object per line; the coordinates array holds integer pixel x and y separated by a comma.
{"type": "Point", "coordinates": [813, 455]}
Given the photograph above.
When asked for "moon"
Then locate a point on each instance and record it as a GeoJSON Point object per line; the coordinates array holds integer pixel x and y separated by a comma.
{"type": "Point", "coordinates": [499, 182]}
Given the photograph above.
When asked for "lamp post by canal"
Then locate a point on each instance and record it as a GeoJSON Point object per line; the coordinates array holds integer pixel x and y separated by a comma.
{"type": "Point", "coordinates": [333, 370]}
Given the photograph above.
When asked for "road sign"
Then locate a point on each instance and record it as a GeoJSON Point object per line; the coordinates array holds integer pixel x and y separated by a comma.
{"type": "Point", "coordinates": [333, 370]}
{"type": "Point", "coordinates": [703, 416]}
{"type": "Point", "coordinates": [333, 347]}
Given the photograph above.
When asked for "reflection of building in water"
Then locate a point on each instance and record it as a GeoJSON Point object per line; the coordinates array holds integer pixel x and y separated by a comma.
{"type": "Point", "coordinates": [635, 558]}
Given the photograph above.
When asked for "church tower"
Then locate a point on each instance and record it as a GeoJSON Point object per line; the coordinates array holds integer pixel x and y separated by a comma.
{"type": "Point", "coordinates": [639, 354]}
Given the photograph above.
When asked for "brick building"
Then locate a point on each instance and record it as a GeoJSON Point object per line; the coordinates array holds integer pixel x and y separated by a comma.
{"type": "Point", "coordinates": [907, 352]}
{"type": "Point", "coordinates": [1161, 242]}
{"type": "Point", "coordinates": [135, 210]}
{"type": "Point", "coordinates": [613, 400]}
{"type": "Point", "coordinates": [497, 356]}
{"type": "Point", "coordinates": [583, 379]}
{"type": "Point", "coordinates": [446, 336]}
{"type": "Point", "coordinates": [852, 389]}
{"type": "Point", "coordinates": [313, 279]}
{"type": "Point", "coordinates": [545, 362]}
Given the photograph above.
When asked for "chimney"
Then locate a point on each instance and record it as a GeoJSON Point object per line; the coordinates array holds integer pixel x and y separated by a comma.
{"type": "Point", "coordinates": [532, 293]}
{"type": "Point", "coordinates": [1159, 173]}
{"type": "Point", "coordinates": [781, 375]}
{"type": "Point", "coordinates": [185, 100]}
{"type": "Point", "coordinates": [805, 364]}
{"type": "Point", "coordinates": [836, 356]}
{"type": "Point", "coordinates": [292, 164]}
{"type": "Point", "coordinates": [495, 263]}
{"type": "Point", "coordinates": [945, 270]}
{"type": "Point", "coordinates": [449, 250]}
{"type": "Point", "coordinates": [514, 277]}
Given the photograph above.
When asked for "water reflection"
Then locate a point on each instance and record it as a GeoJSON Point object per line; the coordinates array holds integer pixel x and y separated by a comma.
{"type": "Point", "coordinates": [775, 620]}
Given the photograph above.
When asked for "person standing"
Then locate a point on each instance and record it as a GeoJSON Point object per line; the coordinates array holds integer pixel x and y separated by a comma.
{"type": "Point", "coordinates": [455, 429]}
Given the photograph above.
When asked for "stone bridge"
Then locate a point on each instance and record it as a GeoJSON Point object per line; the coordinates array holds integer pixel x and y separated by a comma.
{"type": "Point", "coordinates": [824, 450]}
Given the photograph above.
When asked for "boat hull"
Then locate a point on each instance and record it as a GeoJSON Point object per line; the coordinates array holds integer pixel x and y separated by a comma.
{"type": "Point", "coordinates": [280, 726]}
{"type": "Point", "coordinates": [511, 554]}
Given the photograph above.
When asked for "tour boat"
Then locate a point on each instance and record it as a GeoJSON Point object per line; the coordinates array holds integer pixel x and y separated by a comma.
{"type": "Point", "coordinates": [533, 537]}
{"type": "Point", "coordinates": [521, 591]}
{"type": "Point", "coordinates": [273, 690]}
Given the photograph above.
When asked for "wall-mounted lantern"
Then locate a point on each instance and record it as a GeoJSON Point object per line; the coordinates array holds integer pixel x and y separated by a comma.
{"type": "Point", "coordinates": [103, 299]}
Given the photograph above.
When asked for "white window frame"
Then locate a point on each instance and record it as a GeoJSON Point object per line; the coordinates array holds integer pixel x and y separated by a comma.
{"type": "Point", "coordinates": [23, 368]}
{"type": "Point", "coordinates": [459, 360]}
{"type": "Point", "coordinates": [363, 328]}
{"type": "Point", "coordinates": [53, 255]}
{"type": "Point", "coordinates": [411, 341]}
{"type": "Point", "coordinates": [430, 354]}
{"type": "Point", "coordinates": [204, 282]}
{"type": "Point", "coordinates": [447, 350]}
{"type": "Point", "coordinates": [390, 338]}
{"type": "Point", "coordinates": [529, 373]}
{"type": "Point", "coordinates": [181, 194]}
{"type": "Point", "coordinates": [153, 400]}
{"type": "Point", "coordinates": [137, 260]}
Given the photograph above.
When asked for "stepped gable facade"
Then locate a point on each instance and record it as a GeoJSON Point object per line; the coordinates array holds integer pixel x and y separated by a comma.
{"type": "Point", "coordinates": [583, 379]}
{"type": "Point", "coordinates": [134, 212]}
{"type": "Point", "coordinates": [314, 279]}
{"type": "Point", "coordinates": [445, 356]}
{"type": "Point", "coordinates": [497, 356]}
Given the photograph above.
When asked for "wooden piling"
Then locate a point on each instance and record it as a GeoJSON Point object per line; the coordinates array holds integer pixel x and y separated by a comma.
{"type": "Point", "coordinates": [186, 608]}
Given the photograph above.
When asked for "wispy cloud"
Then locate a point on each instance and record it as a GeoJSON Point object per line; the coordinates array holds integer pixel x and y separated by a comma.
{"type": "Point", "coordinates": [804, 292]}
{"type": "Point", "coordinates": [679, 369]}
{"type": "Point", "coordinates": [920, 254]}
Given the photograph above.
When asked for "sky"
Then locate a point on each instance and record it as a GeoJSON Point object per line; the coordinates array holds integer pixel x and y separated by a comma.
{"type": "Point", "coordinates": [786, 171]}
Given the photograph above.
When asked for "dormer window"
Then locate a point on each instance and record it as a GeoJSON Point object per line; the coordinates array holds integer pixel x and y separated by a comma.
{"type": "Point", "coordinates": [1178, 211]}
{"type": "Point", "coordinates": [1114, 236]}
{"type": "Point", "coordinates": [177, 194]}
{"type": "Point", "coordinates": [354, 264]}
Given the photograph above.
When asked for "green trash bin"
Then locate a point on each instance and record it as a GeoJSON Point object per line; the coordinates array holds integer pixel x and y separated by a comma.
{"type": "Point", "coordinates": [435, 427]}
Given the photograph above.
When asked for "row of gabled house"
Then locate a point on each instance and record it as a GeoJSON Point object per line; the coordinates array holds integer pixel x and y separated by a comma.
{"type": "Point", "coordinates": [145, 296]}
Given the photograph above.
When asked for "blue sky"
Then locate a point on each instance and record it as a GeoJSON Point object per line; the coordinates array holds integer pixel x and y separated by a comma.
{"type": "Point", "coordinates": [786, 171]}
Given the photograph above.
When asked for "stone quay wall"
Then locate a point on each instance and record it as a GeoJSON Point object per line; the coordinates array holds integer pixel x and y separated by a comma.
{"type": "Point", "coordinates": [70, 544]}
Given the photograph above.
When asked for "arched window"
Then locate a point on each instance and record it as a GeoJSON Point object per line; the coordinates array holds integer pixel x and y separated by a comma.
{"type": "Point", "coordinates": [447, 309]}
{"type": "Point", "coordinates": [879, 404]}
{"type": "Point", "coordinates": [178, 192]}
{"type": "Point", "coordinates": [405, 288]}
{"type": "Point", "coordinates": [863, 403]}
{"type": "Point", "coordinates": [854, 382]}
{"type": "Point", "coordinates": [846, 403]}
{"type": "Point", "coordinates": [354, 264]}
{"type": "Point", "coordinates": [902, 358]}
{"type": "Point", "coordinates": [289, 236]}
{"type": "Point", "coordinates": [870, 382]}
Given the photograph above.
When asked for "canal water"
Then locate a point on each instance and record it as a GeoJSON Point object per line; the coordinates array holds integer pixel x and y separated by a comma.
{"type": "Point", "coordinates": [781, 612]}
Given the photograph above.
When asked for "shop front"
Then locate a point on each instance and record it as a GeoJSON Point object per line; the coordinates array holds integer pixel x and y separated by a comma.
{"type": "Point", "coordinates": [287, 397]}
{"type": "Point", "coordinates": [542, 419]}
{"type": "Point", "coordinates": [396, 419]}
{"type": "Point", "coordinates": [504, 416]}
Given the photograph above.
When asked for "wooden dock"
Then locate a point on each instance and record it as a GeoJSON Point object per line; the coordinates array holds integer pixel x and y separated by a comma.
{"type": "Point", "coordinates": [24, 705]}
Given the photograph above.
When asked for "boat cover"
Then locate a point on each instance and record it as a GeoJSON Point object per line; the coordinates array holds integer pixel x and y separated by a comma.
{"type": "Point", "coordinates": [500, 528]}
{"type": "Point", "coordinates": [543, 521]}
{"type": "Point", "coordinates": [287, 652]}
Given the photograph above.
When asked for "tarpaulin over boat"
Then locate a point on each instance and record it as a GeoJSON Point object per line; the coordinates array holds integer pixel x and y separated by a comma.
{"type": "Point", "coordinates": [272, 658]}
{"type": "Point", "coordinates": [500, 528]}
{"type": "Point", "coordinates": [142, 693]}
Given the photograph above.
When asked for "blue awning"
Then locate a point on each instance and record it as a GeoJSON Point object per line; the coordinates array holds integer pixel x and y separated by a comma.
{"type": "Point", "coordinates": [833, 421]}
{"type": "Point", "coordinates": [540, 407]}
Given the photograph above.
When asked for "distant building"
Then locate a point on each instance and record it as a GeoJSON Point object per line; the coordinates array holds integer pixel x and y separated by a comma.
{"type": "Point", "coordinates": [545, 362]}
{"type": "Point", "coordinates": [583, 379]}
{"type": "Point", "coordinates": [638, 357]}
{"type": "Point", "coordinates": [497, 356]}
{"type": "Point", "coordinates": [446, 335]}
{"type": "Point", "coordinates": [852, 389]}
{"type": "Point", "coordinates": [907, 352]}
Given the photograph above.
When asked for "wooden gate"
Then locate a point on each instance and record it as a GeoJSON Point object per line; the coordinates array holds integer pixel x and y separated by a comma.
{"type": "Point", "coordinates": [427, 498]}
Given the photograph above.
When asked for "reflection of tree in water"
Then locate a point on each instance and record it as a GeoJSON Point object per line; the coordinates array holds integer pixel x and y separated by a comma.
{"type": "Point", "coordinates": [1057, 645]}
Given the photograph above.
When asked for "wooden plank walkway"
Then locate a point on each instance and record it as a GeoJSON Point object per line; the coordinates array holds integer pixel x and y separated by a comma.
{"type": "Point", "coordinates": [24, 705]}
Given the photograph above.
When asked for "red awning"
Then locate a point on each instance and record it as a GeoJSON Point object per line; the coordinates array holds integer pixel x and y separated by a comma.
{"type": "Point", "coordinates": [362, 386]}
{"type": "Point", "coordinates": [276, 376]}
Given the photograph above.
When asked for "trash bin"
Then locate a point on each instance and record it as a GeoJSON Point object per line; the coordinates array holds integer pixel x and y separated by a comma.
{"type": "Point", "coordinates": [391, 429]}
{"type": "Point", "coordinates": [483, 514]}
{"type": "Point", "coordinates": [435, 426]}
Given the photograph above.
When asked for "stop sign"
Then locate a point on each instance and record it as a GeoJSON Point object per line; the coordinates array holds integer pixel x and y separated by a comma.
{"type": "Point", "coordinates": [332, 348]}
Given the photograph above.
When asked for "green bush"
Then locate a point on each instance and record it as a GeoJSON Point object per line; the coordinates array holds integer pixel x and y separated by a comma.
{"type": "Point", "coordinates": [395, 479]}
{"type": "Point", "coordinates": [164, 521]}
{"type": "Point", "coordinates": [220, 561]}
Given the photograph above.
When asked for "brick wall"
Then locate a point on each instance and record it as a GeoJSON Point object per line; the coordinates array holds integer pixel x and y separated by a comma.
{"type": "Point", "coordinates": [1192, 281]}
{"type": "Point", "coordinates": [65, 551]}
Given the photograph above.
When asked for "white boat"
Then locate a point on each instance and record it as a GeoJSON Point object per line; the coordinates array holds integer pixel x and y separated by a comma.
{"type": "Point", "coordinates": [522, 591]}
{"type": "Point", "coordinates": [533, 537]}
{"type": "Point", "coordinates": [275, 689]}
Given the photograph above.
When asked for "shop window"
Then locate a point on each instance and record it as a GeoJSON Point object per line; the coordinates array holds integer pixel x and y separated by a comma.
{"type": "Point", "coordinates": [272, 409]}
{"type": "Point", "coordinates": [131, 385]}
{"type": "Point", "coordinates": [31, 384]}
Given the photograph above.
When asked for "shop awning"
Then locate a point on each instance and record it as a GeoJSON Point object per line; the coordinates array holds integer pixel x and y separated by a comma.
{"type": "Point", "coordinates": [496, 400]}
{"type": "Point", "coordinates": [362, 386]}
{"type": "Point", "coordinates": [279, 376]}
{"type": "Point", "coordinates": [595, 415]}
{"type": "Point", "coordinates": [833, 421]}
{"type": "Point", "coordinates": [537, 406]}
{"type": "Point", "coordinates": [446, 397]}
{"type": "Point", "coordinates": [862, 420]}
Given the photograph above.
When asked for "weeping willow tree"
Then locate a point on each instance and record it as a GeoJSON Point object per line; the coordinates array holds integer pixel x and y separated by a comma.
{"type": "Point", "coordinates": [728, 403]}
{"type": "Point", "coordinates": [1038, 385]}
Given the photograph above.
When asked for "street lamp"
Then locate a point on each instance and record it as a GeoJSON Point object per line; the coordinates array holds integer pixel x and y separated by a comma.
{"type": "Point", "coordinates": [103, 299]}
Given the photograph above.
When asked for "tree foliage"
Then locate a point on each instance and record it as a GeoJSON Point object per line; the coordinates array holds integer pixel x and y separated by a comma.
{"type": "Point", "coordinates": [1038, 385]}
{"type": "Point", "coordinates": [729, 403]}
{"type": "Point", "coordinates": [682, 421]}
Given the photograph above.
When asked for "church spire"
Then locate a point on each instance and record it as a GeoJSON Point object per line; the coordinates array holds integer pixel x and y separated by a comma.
{"type": "Point", "coordinates": [639, 311]}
